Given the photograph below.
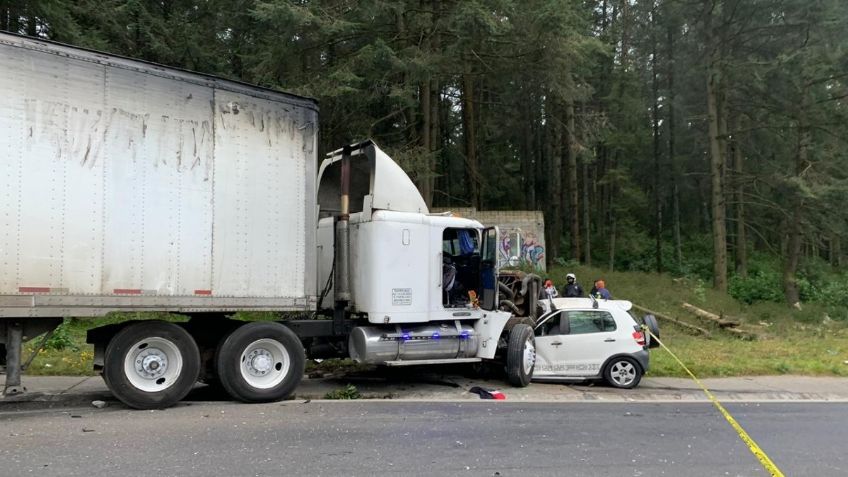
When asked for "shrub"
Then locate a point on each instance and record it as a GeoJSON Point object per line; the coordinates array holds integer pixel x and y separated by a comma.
{"type": "Point", "coordinates": [61, 339]}
{"type": "Point", "coordinates": [834, 293]}
{"type": "Point", "coordinates": [759, 286]}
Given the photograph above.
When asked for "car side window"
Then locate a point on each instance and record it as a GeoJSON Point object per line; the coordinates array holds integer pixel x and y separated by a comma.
{"type": "Point", "coordinates": [595, 321]}
{"type": "Point", "coordinates": [552, 326]}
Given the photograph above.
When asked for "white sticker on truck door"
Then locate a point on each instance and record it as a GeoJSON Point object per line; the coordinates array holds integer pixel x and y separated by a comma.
{"type": "Point", "coordinates": [401, 296]}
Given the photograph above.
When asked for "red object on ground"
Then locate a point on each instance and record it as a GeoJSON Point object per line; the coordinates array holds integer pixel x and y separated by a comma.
{"type": "Point", "coordinates": [487, 394]}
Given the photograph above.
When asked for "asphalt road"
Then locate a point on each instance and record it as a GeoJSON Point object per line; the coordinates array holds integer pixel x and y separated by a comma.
{"type": "Point", "coordinates": [380, 437]}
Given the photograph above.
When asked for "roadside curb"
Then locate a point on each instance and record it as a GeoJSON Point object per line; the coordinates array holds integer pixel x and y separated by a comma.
{"type": "Point", "coordinates": [57, 392]}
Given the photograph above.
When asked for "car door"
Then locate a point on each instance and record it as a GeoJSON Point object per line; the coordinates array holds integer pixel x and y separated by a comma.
{"type": "Point", "coordinates": [578, 346]}
{"type": "Point", "coordinates": [550, 354]}
{"type": "Point", "coordinates": [591, 339]}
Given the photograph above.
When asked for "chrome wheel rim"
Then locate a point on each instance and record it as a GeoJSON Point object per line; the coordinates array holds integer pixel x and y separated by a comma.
{"type": "Point", "coordinates": [529, 355]}
{"type": "Point", "coordinates": [153, 364]}
{"type": "Point", "coordinates": [264, 363]}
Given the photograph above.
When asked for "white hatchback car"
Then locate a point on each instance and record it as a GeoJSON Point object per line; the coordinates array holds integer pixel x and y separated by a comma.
{"type": "Point", "coordinates": [587, 339]}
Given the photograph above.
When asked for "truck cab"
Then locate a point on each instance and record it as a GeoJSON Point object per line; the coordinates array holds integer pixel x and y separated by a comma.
{"type": "Point", "coordinates": [423, 286]}
{"type": "Point", "coordinates": [406, 265]}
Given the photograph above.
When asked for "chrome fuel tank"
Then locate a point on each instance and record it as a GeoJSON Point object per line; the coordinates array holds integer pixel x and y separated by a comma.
{"type": "Point", "coordinates": [445, 340]}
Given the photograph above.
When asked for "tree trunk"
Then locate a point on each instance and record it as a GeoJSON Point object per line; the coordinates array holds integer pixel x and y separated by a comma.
{"type": "Point", "coordinates": [469, 129]}
{"type": "Point", "coordinates": [587, 218]}
{"type": "Point", "coordinates": [717, 164]}
{"type": "Point", "coordinates": [423, 180]}
{"type": "Point", "coordinates": [573, 209]}
{"type": "Point", "coordinates": [446, 139]}
{"type": "Point", "coordinates": [563, 194]}
{"type": "Point", "coordinates": [655, 119]}
{"type": "Point", "coordinates": [554, 177]}
{"type": "Point", "coordinates": [612, 240]}
{"type": "Point", "coordinates": [739, 198]}
{"type": "Point", "coordinates": [678, 246]}
{"type": "Point", "coordinates": [612, 212]}
{"type": "Point", "coordinates": [790, 279]}
{"type": "Point", "coordinates": [528, 174]}
{"type": "Point", "coordinates": [678, 243]}
{"type": "Point", "coordinates": [435, 97]}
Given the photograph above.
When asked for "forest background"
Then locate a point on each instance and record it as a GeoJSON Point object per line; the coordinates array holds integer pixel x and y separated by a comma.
{"type": "Point", "coordinates": [703, 138]}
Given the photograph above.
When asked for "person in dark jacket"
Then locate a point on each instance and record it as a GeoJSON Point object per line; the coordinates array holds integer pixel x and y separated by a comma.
{"type": "Point", "coordinates": [572, 288]}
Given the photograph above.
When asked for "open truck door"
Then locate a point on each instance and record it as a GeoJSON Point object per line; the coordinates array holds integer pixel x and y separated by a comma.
{"type": "Point", "coordinates": [489, 269]}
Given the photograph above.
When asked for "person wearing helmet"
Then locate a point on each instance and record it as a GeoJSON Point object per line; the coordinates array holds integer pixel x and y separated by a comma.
{"type": "Point", "coordinates": [572, 288]}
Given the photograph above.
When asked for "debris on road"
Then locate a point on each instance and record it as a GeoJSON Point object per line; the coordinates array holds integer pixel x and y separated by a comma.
{"type": "Point", "coordinates": [488, 394]}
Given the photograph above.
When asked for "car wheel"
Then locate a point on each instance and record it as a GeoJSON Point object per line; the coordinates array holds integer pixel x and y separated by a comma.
{"type": "Point", "coordinates": [654, 328]}
{"type": "Point", "coordinates": [520, 355]}
{"type": "Point", "coordinates": [260, 362]}
{"type": "Point", "coordinates": [151, 364]}
{"type": "Point", "coordinates": [623, 373]}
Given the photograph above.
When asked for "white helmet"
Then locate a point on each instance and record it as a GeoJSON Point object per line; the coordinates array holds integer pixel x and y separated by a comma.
{"type": "Point", "coordinates": [571, 275]}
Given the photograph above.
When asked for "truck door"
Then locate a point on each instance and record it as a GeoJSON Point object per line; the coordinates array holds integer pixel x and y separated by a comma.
{"type": "Point", "coordinates": [489, 269]}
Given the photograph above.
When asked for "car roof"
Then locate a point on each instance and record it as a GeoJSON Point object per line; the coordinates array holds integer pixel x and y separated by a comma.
{"type": "Point", "coordinates": [577, 303]}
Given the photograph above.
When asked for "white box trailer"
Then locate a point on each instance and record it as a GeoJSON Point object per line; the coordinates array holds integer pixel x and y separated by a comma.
{"type": "Point", "coordinates": [130, 186]}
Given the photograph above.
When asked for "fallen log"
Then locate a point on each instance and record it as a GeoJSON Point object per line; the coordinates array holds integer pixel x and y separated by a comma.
{"type": "Point", "coordinates": [682, 324]}
{"type": "Point", "coordinates": [745, 335]}
{"type": "Point", "coordinates": [719, 320]}
{"type": "Point", "coordinates": [725, 324]}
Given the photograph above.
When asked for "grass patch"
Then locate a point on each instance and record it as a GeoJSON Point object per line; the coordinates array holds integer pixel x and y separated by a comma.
{"type": "Point", "coordinates": [724, 357]}
{"type": "Point", "coordinates": [347, 392]}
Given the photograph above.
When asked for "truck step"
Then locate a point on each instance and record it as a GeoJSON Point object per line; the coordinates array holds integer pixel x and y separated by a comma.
{"type": "Point", "coordinates": [432, 361]}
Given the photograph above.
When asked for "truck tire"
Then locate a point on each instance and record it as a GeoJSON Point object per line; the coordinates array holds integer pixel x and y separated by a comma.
{"type": "Point", "coordinates": [520, 355]}
{"type": "Point", "coordinates": [260, 362]}
{"type": "Point", "coordinates": [151, 364]}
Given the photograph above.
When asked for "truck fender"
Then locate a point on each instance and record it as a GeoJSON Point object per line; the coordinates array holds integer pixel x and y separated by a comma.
{"type": "Point", "coordinates": [488, 330]}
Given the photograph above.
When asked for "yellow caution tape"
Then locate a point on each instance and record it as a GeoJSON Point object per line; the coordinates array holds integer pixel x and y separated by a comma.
{"type": "Point", "coordinates": [760, 454]}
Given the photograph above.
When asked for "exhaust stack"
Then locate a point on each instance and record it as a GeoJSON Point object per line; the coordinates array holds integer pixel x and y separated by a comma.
{"type": "Point", "coordinates": [342, 248]}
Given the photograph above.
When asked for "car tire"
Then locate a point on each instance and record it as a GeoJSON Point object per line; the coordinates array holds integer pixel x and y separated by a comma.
{"type": "Point", "coordinates": [654, 327]}
{"type": "Point", "coordinates": [151, 364]}
{"type": "Point", "coordinates": [623, 373]}
{"type": "Point", "coordinates": [520, 355]}
{"type": "Point", "coordinates": [261, 361]}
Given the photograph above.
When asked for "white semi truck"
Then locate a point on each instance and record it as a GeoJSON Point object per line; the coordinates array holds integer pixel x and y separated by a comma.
{"type": "Point", "coordinates": [128, 186]}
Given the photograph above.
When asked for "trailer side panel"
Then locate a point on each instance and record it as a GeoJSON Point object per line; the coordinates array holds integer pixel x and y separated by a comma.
{"type": "Point", "coordinates": [131, 186]}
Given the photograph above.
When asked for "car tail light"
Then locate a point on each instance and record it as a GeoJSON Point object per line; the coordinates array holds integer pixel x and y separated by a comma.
{"type": "Point", "coordinates": [639, 337]}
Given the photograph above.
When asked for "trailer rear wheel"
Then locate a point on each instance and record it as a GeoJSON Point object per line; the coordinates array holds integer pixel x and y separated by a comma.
{"type": "Point", "coordinates": [151, 364]}
{"type": "Point", "coordinates": [520, 355]}
{"type": "Point", "coordinates": [260, 362]}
